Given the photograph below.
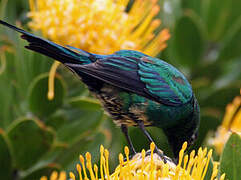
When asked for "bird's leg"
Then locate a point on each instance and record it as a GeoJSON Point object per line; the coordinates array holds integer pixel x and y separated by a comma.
{"type": "Point", "coordinates": [142, 127]}
{"type": "Point", "coordinates": [124, 129]}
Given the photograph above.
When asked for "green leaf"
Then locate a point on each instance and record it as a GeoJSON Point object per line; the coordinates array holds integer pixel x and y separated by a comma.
{"type": "Point", "coordinates": [232, 43]}
{"type": "Point", "coordinates": [221, 97]}
{"type": "Point", "coordinates": [28, 66]}
{"type": "Point", "coordinates": [140, 141]}
{"type": "Point", "coordinates": [81, 121]}
{"type": "Point", "coordinates": [188, 40]}
{"type": "Point", "coordinates": [37, 173]}
{"type": "Point", "coordinates": [56, 120]}
{"type": "Point", "coordinates": [194, 5]}
{"type": "Point", "coordinates": [3, 5]}
{"type": "Point", "coordinates": [231, 158]}
{"type": "Point", "coordinates": [85, 103]}
{"type": "Point", "coordinates": [6, 170]}
{"type": "Point", "coordinates": [212, 121]}
{"type": "Point", "coordinates": [30, 140]}
{"type": "Point", "coordinates": [38, 101]}
{"type": "Point", "coordinates": [86, 144]}
{"type": "Point", "coordinates": [215, 15]}
{"type": "Point", "coordinates": [171, 10]}
{"type": "Point", "coordinates": [220, 17]}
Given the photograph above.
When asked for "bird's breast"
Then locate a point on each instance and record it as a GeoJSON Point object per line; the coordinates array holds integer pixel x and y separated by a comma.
{"type": "Point", "coordinates": [121, 107]}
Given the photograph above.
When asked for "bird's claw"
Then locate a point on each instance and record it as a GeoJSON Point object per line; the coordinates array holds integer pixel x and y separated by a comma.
{"type": "Point", "coordinates": [161, 155]}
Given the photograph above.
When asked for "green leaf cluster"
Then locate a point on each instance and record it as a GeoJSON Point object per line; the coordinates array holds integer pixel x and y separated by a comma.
{"type": "Point", "coordinates": [230, 158]}
{"type": "Point", "coordinates": [37, 135]}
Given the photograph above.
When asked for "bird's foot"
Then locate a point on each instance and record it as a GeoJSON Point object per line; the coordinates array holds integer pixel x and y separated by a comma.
{"type": "Point", "coordinates": [157, 151]}
{"type": "Point", "coordinates": [161, 154]}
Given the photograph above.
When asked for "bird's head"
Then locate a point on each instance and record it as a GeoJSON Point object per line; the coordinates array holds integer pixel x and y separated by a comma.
{"type": "Point", "coordinates": [185, 131]}
{"type": "Point", "coordinates": [177, 138]}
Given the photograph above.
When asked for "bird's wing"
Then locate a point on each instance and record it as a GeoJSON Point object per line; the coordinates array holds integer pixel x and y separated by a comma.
{"type": "Point", "coordinates": [164, 81]}
{"type": "Point", "coordinates": [143, 76]}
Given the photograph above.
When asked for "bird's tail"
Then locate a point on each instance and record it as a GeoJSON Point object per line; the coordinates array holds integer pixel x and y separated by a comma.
{"type": "Point", "coordinates": [53, 50]}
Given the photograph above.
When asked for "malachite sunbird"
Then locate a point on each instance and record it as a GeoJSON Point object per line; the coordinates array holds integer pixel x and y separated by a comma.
{"type": "Point", "coordinates": [134, 88]}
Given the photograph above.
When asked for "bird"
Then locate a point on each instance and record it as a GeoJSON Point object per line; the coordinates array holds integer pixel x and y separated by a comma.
{"type": "Point", "coordinates": [134, 89]}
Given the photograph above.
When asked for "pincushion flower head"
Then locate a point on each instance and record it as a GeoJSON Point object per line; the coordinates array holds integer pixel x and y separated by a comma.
{"type": "Point", "coordinates": [99, 26]}
{"type": "Point", "coordinates": [144, 166]}
{"type": "Point", "coordinates": [231, 124]}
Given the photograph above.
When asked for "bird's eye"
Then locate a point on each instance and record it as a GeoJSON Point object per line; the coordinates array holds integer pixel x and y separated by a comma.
{"type": "Point", "coordinates": [194, 136]}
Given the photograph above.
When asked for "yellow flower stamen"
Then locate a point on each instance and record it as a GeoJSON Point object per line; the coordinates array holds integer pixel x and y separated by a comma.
{"type": "Point", "coordinates": [72, 176]}
{"type": "Point", "coordinates": [190, 164]}
{"type": "Point", "coordinates": [231, 123]}
{"type": "Point", "coordinates": [89, 165]}
{"type": "Point", "coordinates": [82, 161]}
{"type": "Point", "coordinates": [206, 165]}
{"type": "Point", "coordinates": [143, 154]}
{"type": "Point", "coordinates": [151, 166]}
{"type": "Point", "coordinates": [96, 171]}
{"type": "Point", "coordinates": [43, 178]}
{"type": "Point", "coordinates": [62, 176]}
{"type": "Point", "coordinates": [107, 163]}
{"type": "Point", "coordinates": [126, 149]}
{"type": "Point", "coordinates": [146, 22]}
{"type": "Point", "coordinates": [101, 162]}
{"type": "Point", "coordinates": [185, 161]}
{"type": "Point", "coordinates": [121, 160]}
{"type": "Point", "coordinates": [104, 165]}
{"type": "Point", "coordinates": [51, 80]}
{"type": "Point", "coordinates": [222, 177]}
{"type": "Point", "coordinates": [78, 167]}
{"type": "Point", "coordinates": [31, 5]}
{"type": "Point", "coordinates": [54, 175]}
{"type": "Point", "coordinates": [236, 121]}
{"type": "Point", "coordinates": [215, 170]}
{"type": "Point", "coordinates": [165, 170]}
{"type": "Point", "coordinates": [152, 147]}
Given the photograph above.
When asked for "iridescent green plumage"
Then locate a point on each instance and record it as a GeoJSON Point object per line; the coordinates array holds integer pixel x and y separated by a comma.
{"type": "Point", "coordinates": [135, 89]}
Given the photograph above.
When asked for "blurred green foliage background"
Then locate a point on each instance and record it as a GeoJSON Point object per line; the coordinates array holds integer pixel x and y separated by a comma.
{"type": "Point", "coordinates": [38, 135]}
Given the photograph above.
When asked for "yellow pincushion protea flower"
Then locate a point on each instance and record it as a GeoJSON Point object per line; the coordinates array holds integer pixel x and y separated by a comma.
{"type": "Point", "coordinates": [231, 123]}
{"type": "Point", "coordinates": [99, 26]}
{"type": "Point", "coordinates": [142, 166]}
